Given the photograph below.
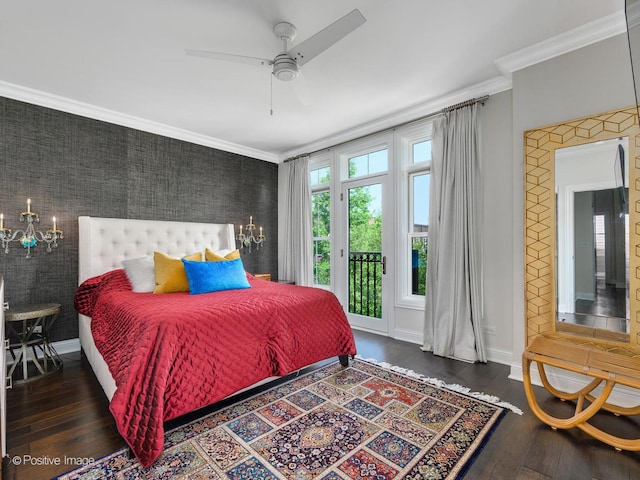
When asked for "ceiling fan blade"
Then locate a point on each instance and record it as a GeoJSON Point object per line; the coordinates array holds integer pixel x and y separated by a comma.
{"type": "Point", "coordinates": [230, 57]}
{"type": "Point", "coordinates": [318, 43]}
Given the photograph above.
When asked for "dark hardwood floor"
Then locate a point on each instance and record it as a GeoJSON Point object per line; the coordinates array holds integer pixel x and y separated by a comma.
{"type": "Point", "coordinates": [65, 416]}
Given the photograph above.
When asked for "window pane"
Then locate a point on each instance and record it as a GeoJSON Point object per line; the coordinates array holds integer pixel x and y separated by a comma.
{"type": "Point", "coordinates": [378, 161]}
{"type": "Point", "coordinates": [370, 163]}
{"type": "Point", "coordinates": [320, 208]}
{"type": "Point", "coordinates": [321, 262]}
{"type": "Point", "coordinates": [419, 248]}
{"type": "Point", "coordinates": [358, 166]}
{"type": "Point", "coordinates": [365, 218]}
{"type": "Point", "coordinates": [365, 250]}
{"type": "Point", "coordinates": [319, 176]}
{"type": "Point", "coordinates": [420, 203]}
{"type": "Point", "coordinates": [422, 151]}
{"type": "Point", "coordinates": [418, 228]}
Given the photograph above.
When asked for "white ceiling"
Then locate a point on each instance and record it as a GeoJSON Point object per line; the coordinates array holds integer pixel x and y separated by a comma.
{"type": "Point", "coordinates": [123, 61]}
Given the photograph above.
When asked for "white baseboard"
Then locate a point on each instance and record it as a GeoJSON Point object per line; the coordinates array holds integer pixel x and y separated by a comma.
{"type": "Point", "coordinates": [493, 354]}
{"type": "Point", "coordinates": [67, 346]}
{"type": "Point", "coordinates": [571, 382]}
{"type": "Point", "coordinates": [64, 346]}
{"type": "Point", "coordinates": [410, 336]}
{"type": "Point", "coordinates": [502, 357]}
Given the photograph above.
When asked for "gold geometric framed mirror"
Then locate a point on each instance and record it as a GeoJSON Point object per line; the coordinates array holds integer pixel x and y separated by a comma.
{"type": "Point", "coordinates": [541, 212]}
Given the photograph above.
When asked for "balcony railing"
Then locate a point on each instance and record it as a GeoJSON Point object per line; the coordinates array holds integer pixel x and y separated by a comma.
{"type": "Point", "coordinates": [365, 283]}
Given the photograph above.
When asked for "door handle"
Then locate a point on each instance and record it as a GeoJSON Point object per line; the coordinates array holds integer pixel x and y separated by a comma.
{"type": "Point", "coordinates": [384, 264]}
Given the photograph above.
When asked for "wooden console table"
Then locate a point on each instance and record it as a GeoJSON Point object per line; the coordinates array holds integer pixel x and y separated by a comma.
{"type": "Point", "coordinates": [607, 364]}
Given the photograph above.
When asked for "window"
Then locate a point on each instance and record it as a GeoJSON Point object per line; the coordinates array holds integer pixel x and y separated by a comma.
{"type": "Point", "coordinates": [368, 164]}
{"type": "Point", "coordinates": [404, 153]}
{"type": "Point", "coordinates": [418, 238]}
{"type": "Point", "coordinates": [321, 224]}
{"type": "Point", "coordinates": [421, 152]}
{"type": "Point", "coordinates": [319, 176]}
{"type": "Point", "coordinates": [415, 161]}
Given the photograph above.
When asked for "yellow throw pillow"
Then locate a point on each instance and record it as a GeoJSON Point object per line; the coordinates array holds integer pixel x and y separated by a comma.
{"type": "Point", "coordinates": [211, 256]}
{"type": "Point", "coordinates": [170, 274]}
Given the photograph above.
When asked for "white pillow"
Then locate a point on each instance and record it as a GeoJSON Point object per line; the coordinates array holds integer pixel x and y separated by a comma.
{"type": "Point", "coordinates": [141, 273]}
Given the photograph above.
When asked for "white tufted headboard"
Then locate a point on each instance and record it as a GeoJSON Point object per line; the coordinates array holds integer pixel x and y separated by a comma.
{"type": "Point", "coordinates": [105, 242]}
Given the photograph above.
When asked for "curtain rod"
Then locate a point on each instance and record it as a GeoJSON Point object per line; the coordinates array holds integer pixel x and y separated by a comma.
{"type": "Point", "coordinates": [480, 100]}
{"type": "Point", "coordinates": [451, 108]}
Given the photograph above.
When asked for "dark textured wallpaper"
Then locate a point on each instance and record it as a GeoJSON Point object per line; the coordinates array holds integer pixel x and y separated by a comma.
{"type": "Point", "coordinates": [70, 166]}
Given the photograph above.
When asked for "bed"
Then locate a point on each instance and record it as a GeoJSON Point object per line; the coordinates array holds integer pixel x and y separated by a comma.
{"type": "Point", "coordinates": [159, 356]}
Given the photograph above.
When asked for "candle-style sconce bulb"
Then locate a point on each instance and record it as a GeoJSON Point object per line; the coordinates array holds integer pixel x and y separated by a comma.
{"type": "Point", "coordinates": [247, 237]}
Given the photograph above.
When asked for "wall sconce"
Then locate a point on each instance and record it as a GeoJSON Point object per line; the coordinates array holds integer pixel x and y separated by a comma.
{"type": "Point", "coordinates": [29, 237]}
{"type": "Point", "coordinates": [248, 238]}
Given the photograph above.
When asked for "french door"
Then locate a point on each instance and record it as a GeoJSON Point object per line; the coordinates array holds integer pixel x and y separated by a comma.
{"type": "Point", "coordinates": [364, 256]}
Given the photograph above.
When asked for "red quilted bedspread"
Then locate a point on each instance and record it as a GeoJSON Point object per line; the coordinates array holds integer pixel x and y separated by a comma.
{"type": "Point", "coordinates": [173, 353]}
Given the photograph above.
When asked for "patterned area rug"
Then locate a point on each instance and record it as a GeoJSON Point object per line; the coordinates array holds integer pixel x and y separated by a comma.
{"type": "Point", "coordinates": [363, 422]}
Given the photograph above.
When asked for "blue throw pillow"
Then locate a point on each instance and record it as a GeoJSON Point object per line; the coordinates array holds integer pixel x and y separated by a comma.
{"type": "Point", "coordinates": [205, 277]}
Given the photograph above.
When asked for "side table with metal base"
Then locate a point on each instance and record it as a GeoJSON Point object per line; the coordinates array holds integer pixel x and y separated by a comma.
{"type": "Point", "coordinates": [28, 330]}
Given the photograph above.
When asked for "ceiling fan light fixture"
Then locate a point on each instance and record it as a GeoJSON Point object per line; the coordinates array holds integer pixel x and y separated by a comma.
{"type": "Point", "coordinates": [286, 65]}
{"type": "Point", "coordinates": [285, 68]}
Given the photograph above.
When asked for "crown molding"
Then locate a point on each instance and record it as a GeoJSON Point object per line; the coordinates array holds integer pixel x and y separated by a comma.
{"type": "Point", "coordinates": [587, 34]}
{"type": "Point", "coordinates": [411, 114]}
{"type": "Point", "coordinates": [43, 99]}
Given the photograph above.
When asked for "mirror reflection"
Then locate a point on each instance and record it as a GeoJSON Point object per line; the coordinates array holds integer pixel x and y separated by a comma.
{"type": "Point", "coordinates": [592, 228]}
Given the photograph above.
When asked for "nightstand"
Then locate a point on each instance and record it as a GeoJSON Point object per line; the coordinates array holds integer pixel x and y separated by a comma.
{"type": "Point", "coordinates": [267, 277]}
{"type": "Point", "coordinates": [28, 333]}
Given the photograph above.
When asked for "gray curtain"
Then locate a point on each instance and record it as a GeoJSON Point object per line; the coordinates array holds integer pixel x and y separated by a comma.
{"type": "Point", "coordinates": [297, 250]}
{"type": "Point", "coordinates": [453, 305]}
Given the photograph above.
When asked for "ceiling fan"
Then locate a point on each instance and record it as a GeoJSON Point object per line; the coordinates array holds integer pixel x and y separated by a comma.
{"type": "Point", "coordinates": [286, 65]}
